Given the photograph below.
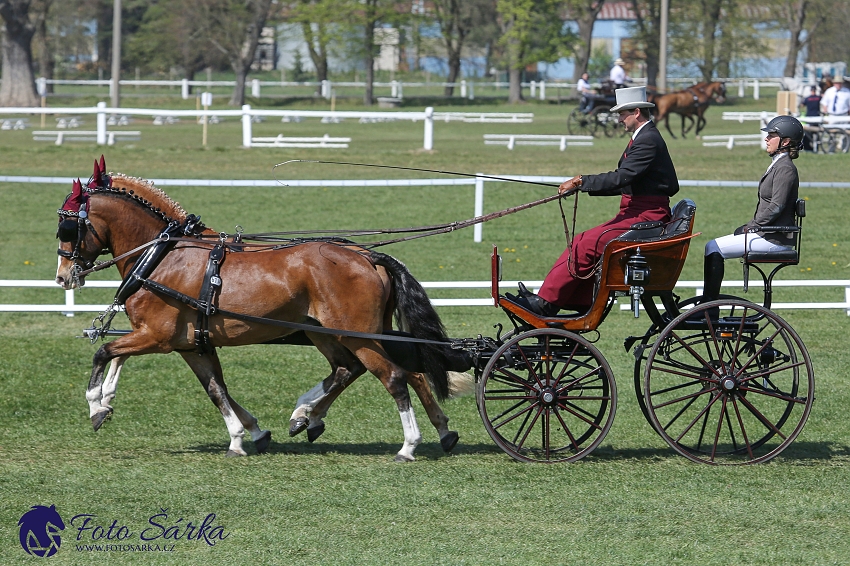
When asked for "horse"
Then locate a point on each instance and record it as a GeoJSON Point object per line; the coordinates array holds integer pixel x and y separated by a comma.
{"type": "Point", "coordinates": [690, 102]}
{"type": "Point", "coordinates": [337, 285]}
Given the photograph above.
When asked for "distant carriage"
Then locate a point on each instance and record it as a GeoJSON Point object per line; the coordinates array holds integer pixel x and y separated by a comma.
{"type": "Point", "coordinates": [593, 116]}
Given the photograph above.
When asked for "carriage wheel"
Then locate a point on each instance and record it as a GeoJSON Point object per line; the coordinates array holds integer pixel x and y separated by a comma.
{"type": "Point", "coordinates": [733, 389]}
{"type": "Point", "coordinates": [547, 395]}
{"type": "Point", "coordinates": [581, 124]}
{"type": "Point", "coordinates": [606, 121]}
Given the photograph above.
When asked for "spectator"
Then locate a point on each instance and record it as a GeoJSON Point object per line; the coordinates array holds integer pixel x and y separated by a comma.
{"type": "Point", "coordinates": [812, 102]}
{"type": "Point", "coordinates": [840, 103]}
{"type": "Point", "coordinates": [618, 74]}
{"type": "Point", "coordinates": [584, 92]}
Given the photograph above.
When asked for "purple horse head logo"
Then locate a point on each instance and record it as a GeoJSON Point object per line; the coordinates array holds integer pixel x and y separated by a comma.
{"type": "Point", "coordinates": [39, 530]}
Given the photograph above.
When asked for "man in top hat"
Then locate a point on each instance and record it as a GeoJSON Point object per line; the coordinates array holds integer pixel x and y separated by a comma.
{"type": "Point", "coordinates": [645, 179]}
{"type": "Point", "coordinates": [618, 74]}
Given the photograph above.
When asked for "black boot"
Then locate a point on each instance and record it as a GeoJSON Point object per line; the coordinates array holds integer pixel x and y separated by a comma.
{"type": "Point", "coordinates": [713, 269]}
{"type": "Point", "coordinates": [712, 276]}
{"type": "Point", "coordinates": [541, 306]}
{"type": "Point", "coordinates": [523, 290]}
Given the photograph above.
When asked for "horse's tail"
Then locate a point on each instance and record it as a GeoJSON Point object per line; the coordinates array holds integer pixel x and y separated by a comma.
{"type": "Point", "coordinates": [415, 315]}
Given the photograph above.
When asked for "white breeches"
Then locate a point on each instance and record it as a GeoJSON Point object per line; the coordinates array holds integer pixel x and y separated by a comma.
{"type": "Point", "coordinates": [733, 246]}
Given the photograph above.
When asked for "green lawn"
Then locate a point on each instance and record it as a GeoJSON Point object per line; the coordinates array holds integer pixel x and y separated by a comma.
{"type": "Point", "coordinates": [342, 500]}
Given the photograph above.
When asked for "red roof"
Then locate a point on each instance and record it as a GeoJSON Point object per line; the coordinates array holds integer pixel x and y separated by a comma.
{"type": "Point", "coordinates": [617, 11]}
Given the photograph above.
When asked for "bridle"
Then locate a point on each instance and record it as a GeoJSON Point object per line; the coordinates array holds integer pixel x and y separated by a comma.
{"type": "Point", "coordinates": [73, 228]}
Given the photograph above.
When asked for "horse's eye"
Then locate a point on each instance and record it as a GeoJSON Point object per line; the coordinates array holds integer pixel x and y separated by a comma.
{"type": "Point", "coordinates": [67, 231]}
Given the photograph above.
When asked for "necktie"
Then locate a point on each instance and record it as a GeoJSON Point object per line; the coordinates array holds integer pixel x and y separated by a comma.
{"type": "Point", "coordinates": [628, 147]}
{"type": "Point", "coordinates": [834, 101]}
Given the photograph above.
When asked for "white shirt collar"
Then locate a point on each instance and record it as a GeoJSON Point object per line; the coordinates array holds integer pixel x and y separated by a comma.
{"type": "Point", "coordinates": [774, 160]}
{"type": "Point", "coordinates": [634, 135]}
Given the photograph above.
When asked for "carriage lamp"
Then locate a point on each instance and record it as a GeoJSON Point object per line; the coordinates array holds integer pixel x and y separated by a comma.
{"type": "Point", "coordinates": [637, 275]}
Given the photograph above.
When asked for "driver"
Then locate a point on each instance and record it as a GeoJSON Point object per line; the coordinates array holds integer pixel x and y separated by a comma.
{"type": "Point", "coordinates": [777, 197]}
{"type": "Point", "coordinates": [645, 178]}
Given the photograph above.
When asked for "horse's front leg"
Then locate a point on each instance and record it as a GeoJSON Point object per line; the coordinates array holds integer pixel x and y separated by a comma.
{"type": "Point", "coordinates": [101, 394]}
{"type": "Point", "coordinates": [208, 370]}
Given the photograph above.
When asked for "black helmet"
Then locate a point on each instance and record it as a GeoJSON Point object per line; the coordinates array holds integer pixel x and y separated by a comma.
{"type": "Point", "coordinates": [786, 127]}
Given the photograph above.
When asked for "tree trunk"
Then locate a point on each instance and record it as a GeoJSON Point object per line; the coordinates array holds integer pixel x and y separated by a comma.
{"type": "Point", "coordinates": [454, 72]}
{"type": "Point", "coordinates": [369, 61]}
{"type": "Point", "coordinates": [585, 31]}
{"type": "Point", "coordinates": [514, 85]}
{"type": "Point", "coordinates": [45, 53]}
{"type": "Point", "coordinates": [796, 20]}
{"type": "Point", "coordinates": [318, 52]}
{"type": "Point", "coordinates": [18, 87]}
{"type": "Point", "coordinates": [241, 61]}
{"type": "Point", "coordinates": [711, 17]}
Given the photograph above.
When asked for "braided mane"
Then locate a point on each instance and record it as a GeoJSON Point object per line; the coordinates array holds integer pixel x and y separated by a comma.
{"type": "Point", "coordinates": [148, 195]}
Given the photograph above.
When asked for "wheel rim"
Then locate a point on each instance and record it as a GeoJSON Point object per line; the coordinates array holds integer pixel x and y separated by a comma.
{"type": "Point", "coordinates": [547, 395]}
{"type": "Point", "coordinates": [580, 124]}
{"type": "Point", "coordinates": [735, 389]}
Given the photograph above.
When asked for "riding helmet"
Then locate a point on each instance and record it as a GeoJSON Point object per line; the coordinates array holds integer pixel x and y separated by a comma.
{"type": "Point", "coordinates": [786, 127]}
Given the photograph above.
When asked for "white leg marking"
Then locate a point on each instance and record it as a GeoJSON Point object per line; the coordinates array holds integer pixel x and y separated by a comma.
{"type": "Point", "coordinates": [412, 438]}
{"type": "Point", "coordinates": [110, 384]}
{"type": "Point", "coordinates": [236, 430]}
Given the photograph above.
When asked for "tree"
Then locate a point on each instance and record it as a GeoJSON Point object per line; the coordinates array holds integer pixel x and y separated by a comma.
{"type": "Point", "coordinates": [795, 13]}
{"type": "Point", "coordinates": [585, 13]}
{"type": "Point", "coordinates": [458, 21]}
{"type": "Point", "coordinates": [648, 24]}
{"type": "Point", "coordinates": [317, 18]}
{"type": "Point", "coordinates": [532, 31]}
{"type": "Point", "coordinates": [233, 27]}
{"type": "Point", "coordinates": [18, 88]}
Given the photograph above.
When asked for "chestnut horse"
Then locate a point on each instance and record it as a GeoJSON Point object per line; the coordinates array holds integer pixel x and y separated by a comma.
{"type": "Point", "coordinates": [320, 283]}
{"type": "Point", "coordinates": [690, 102]}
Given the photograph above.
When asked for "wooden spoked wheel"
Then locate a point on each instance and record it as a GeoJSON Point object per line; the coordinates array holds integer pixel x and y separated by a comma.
{"type": "Point", "coordinates": [728, 382]}
{"type": "Point", "coordinates": [581, 124]}
{"type": "Point", "coordinates": [547, 395]}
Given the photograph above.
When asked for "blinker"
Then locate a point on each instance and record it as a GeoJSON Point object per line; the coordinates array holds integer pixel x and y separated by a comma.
{"type": "Point", "coordinates": [67, 231]}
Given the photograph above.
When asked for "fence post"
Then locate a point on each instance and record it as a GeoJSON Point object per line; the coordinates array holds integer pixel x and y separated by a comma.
{"type": "Point", "coordinates": [184, 88]}
{"type": "Point", "coordinates": [542, 90]}
{"type": "Point", "coordinates": [101, 123]}
{"type": "Point", "coordinates": [400, 91]}
{"type": "Point", "coordinates": [69, 302]}
{"type": "Point", "coordinates": [255, 88]}
{"type": "Point", "coordinates": [741, 92]}
{"type": "Point", "coordinates": [41, 86]}
{"type": "Point", "coordinates": [463, 88]}
{"type": "Point", "coordinates": [479, 207]}
{"type": "Point", "coordinates": [533, 88]}
{"type": "Point", "coordinates": [246, 125]}
{"type": "Point", "coordinates": [429, 128]}
{"type": "Point", "coordinates": [847, 298]}
{"type": "Point", "coordinates": [471, 91]}
{"type": "Point", "coordinates": [394, 89]}
{"type": "Point", "coordinates": [755, 89]}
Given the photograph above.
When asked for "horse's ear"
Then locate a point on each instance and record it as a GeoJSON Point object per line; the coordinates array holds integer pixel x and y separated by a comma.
{"type": "Point", "coordinates": [96, 179]}
{"type": "Point", "coordinates": [102, 164]}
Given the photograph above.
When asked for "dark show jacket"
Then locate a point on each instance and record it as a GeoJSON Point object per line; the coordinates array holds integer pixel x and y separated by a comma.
{"type": "Point", "coordinates": [645, 169]}
{"type": "Point", "coordinates": [778, 191]}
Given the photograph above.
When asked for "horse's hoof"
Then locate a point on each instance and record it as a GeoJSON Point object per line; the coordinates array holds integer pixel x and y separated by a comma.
{"type": "Point", "coordinates": [449, 440]}
{"type": "Point", "coordinates": [234, 454]}
{"type": "Point", "coordinates": [262, 443]}
{"type": "Point", "coordinates": [402, 458]}
{"type": "Point", "coordinates": [315, 432]}
{"type": "Point", "coordinates": [297, 426]}
{"type": "Point", "coordinates": [99, 418]}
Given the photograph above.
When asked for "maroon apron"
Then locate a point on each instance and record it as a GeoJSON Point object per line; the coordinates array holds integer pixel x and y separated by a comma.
{"type": "Point", "coordinates": [570, 281]}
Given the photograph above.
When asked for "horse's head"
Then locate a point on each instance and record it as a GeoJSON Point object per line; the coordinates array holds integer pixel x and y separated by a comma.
{"type": "Point", "coordinates": [719, 92]}
{"type": "Point", "coordinates": [79, 241]}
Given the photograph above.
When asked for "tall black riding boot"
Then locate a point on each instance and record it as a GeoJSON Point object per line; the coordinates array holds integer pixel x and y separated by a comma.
{"type": "Point", "coordinates": [712, 276]}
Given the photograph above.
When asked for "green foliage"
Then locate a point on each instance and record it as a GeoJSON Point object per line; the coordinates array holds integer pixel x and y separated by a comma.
{"type": "Point", "coordinates": [600, 64]}
{"type": "Point", "coordinates": [532, 31]}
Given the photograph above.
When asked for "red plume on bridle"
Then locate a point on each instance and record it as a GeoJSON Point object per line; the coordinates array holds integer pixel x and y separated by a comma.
{"type": "Point", "coordinates": [99, 178]}
{"type": "Point", "coordinates": [76, 200]}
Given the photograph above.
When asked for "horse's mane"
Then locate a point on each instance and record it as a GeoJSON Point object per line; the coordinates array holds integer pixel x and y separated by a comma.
{"type": "Point", "coordinates": [146, 193]}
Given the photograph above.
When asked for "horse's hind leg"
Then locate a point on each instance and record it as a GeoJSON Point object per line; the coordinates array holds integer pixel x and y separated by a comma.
{"type": "Point", "coordinates": [208, 369]}
{"type": "Point", "coordinates": [448, 438]}
{"type": "Point", "coordinates": [395, 380]}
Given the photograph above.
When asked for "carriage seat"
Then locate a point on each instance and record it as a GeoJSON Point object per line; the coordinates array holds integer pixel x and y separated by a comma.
{"type": "Point", "coordinates": [681, 216]}
{"type": "Point", "coordinates": [782, 258]}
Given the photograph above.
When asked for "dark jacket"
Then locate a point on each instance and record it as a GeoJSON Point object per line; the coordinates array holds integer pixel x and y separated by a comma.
{"type": "Point", "coordinates": [645, 169]}
{"type": "Point", "coordinates": [777, 198]}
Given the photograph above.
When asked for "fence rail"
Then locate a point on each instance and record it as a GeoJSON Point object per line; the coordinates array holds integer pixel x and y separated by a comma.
{"type": "Point", "coordinates": [70, 306]}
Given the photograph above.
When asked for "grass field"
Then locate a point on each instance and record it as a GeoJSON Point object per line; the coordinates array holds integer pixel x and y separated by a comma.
{"type": "Point", "coordinates": [159, 464]}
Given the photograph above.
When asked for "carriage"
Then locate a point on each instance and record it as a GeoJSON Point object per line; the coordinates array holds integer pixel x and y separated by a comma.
{"type": "Point", "coordinates": [594, 115]}
{"type": "Point", "coordinates": [722, 382]}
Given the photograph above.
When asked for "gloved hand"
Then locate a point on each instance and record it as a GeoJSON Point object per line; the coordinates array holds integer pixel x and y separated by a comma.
{"type": "Point", "coordinates": [570, 185]}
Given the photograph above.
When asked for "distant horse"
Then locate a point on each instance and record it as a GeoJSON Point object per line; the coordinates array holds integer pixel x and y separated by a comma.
{"type": "Point", "coordinates": [335, 285]}
{"type": "Point", "coordinates": [690, 102]}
